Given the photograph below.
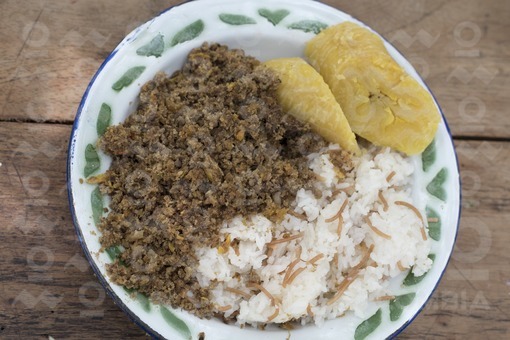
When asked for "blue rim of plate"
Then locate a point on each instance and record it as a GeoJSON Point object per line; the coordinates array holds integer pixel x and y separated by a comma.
{"type": "Point", "coordinates": [118, 302]}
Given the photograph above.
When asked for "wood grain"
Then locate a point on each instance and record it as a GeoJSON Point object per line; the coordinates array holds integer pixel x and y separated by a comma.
{"type": "Point", "coordinates": [50, 50]}
{"type": "Point", "coordinates": [462, 50]}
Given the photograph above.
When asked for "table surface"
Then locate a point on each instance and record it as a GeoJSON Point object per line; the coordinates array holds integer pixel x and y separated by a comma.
{"type": "Point", "coordinates": [49, 51]}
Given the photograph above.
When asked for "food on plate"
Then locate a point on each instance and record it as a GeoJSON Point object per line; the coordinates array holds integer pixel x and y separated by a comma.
{"type": "Point", "coordinates": [382, 103]}
{"type": "Point", "coordinates": [304, 94]}
{"type": "Point", "coordinates": [238, 189]}
{"type": "Point", "coordinates": [335, 250]}
{"type": "Point", "coordinates": [205, 145]}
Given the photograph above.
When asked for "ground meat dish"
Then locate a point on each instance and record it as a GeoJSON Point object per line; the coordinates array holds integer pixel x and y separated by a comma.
{"type": "Point", "coordinates": [204, 145]}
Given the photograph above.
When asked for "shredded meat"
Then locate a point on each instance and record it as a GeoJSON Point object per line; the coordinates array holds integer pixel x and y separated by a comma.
{"type": "Point", "coordinates": [204, 145]}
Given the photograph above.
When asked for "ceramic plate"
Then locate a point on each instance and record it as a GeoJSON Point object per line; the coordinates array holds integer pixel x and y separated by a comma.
{"type": "Point", "coordinates": [264, 29]}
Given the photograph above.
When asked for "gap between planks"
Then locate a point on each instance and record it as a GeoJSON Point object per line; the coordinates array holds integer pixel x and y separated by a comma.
{"type": "Point", "coordinates": [70, 123]}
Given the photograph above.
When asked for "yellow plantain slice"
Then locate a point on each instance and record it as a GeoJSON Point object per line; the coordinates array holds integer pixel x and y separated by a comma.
{"type": "Point", "coordinates": [382, 103]}
{"type": "Point", "coordinates": [304, 94]}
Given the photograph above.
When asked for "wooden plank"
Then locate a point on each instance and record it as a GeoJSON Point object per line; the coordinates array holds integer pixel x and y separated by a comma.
{"type": "Point", "coordinates": [16, 22]}
{"type": "Point", "coordinates": [48, 288]}
{"type": "Point", "coordinates": [47, 69]}
{"type": "Point", "coordinates": [460, 49]}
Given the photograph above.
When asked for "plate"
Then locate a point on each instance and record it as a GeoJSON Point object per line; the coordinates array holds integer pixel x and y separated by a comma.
{"type": "Point", "coordinates": [265, 29]}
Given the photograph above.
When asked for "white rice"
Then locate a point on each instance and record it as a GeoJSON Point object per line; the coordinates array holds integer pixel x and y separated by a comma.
{"type": "Point", "coordinates": [309, 296]}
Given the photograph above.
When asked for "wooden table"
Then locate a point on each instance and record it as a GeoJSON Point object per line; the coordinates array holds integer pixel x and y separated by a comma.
{"type": "Point", "coordinates": [49, 51]}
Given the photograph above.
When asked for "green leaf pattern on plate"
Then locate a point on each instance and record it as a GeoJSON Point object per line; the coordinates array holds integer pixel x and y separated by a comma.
{"type": "Point", "coordinates": [113, 252]}
{"type": "Point", "coordinates": [144, 302]}
{"type": "Point", "coordinates": [308, 26]}
{"type": "Point", "coordinates": [96, 201]}
{"type": "Point", "coordinates": [236, 19]}
{"type": "Point", "coordinates": [398, 303]}
{"type": "Point", "coordinates": [434, 227]}
{"type": "Point", "coordinates": [103, 119]}
{"type": "Point", "coordinates": [412, 280]}
{"type": "Point", "coordinates": [188, 33]}
{"type": "Point", "coordinates": [274, 17]}
{"type": "Point", "coordinates": [176, 323]}
{"type": "Point", "coordinates": [368, 326]}
{"type": "Point", "coordinates": [428, 157]}
{"type": "Point", "coordinates": [129, 77]}
{"type": "Point", "coordinates": [154, 48]}
{"type": "Point", "coordinates": [142, 298]}
{"type": "Point", "coordinates": [436, 188]}
{"type": "Point", "coordinates": [92, 162]}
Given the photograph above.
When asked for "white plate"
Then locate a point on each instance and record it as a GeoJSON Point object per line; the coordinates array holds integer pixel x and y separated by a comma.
{"type": "Point", "coordinates": [255, 26]}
